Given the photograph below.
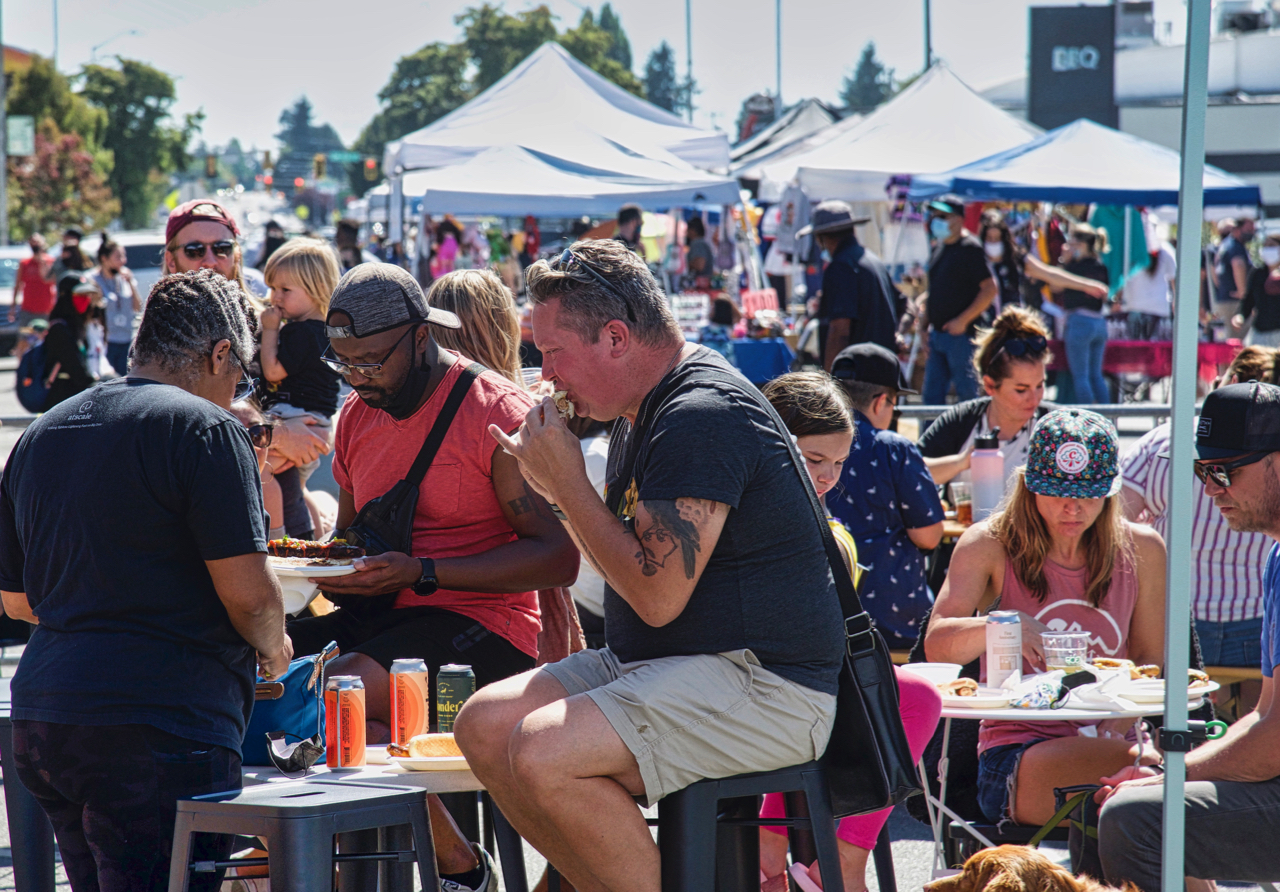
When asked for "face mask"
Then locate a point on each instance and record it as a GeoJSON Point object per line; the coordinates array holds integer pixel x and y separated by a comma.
{"type": "Point", "coordinates": [404, 402]}
{"type": "Point", "coordinates": [1270, 254]}
{"type": "Point", "coordinates": [995, 250]}
{"type": "Point", "coordinates": [939, 228]}
{"type": "Point", "coordinates": [826, 256]}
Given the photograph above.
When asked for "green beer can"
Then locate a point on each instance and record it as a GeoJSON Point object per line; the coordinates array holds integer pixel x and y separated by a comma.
{"type": "Point", "coordinates": [454, 686]}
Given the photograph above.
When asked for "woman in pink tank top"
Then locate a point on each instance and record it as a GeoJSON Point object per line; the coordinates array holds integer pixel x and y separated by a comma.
{"type": "Point", "coordinates": [1062, 555]}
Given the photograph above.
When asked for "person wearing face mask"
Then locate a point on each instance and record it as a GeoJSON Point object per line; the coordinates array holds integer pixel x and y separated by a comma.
{"type": "Point", "coordinates": [1004, 260]}
{"type": "Point", "coordinates": [120, 293]}
{"type": "Point", "coordinates": [961, 288]}
{"type": "Point", "coordinates": [66, 369]}
{"type": "Point", "coordinates": [1085, 335]}
{"type": "Point", "coordinates": [1261, 303]}
{"type": "Point", "coordinates": [859, 302]}
{"type": "Point", "coordinates": [483, 543]}
{"type": "Point", "coordinates": [272, 239]}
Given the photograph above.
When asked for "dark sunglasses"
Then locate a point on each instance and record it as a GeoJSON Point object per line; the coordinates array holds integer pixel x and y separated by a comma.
{"type": "Point", "coordinates": [561, 263]}
{"type": "Point", "coordinates": [197, 250]}
{"type": "Point", "coordinates": [246, 385]}
{"type": "Point", "coordinates": [260, 434]}
{"type": "Point", "coordinates": [367, 369]}
{"type": "Point", "coordinates": [1019, 347]}
{"type": "Point", "coordinates": [1220, 472]}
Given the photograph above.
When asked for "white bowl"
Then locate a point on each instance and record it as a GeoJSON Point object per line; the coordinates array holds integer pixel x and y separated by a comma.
{"type": "Point", "coordinates": [938, 673]}
{"type": "Point", "coordinates": [298, 594]}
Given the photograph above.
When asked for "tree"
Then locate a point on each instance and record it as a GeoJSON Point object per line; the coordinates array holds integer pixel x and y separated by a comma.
{"type": "Point", "coordinates": [662, 86]}
{"type": "Point", "coordinates": [591, 45]}
{"type": "Point", "coordinates": [870, 84]}
{"type": "Point", "coordinates": [497, 42]}
{"type": "Point", "coordinates": [137, 99]}
{"type": "Point", "coordinates": [620, 52]}
{"type": "Point", "coordinates": [44, 93]}
{"type": "Point", "coordinates": [57, 187]}
{"type": "Point", "coordinates": [299, 135]}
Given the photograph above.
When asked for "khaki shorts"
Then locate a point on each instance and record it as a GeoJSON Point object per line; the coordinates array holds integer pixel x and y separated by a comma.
{"type": "Point", "coordinates": [690, 718]}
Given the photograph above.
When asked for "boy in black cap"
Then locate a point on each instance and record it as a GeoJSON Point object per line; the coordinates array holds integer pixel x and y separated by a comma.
{"type": "Point", "coordinates": [1233, 783]}
{"type": "Point", "coordinates": [886, 497]}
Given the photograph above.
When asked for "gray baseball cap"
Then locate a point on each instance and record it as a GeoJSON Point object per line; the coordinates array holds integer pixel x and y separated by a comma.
{"type": "Point", "coordinates": [379, 297]}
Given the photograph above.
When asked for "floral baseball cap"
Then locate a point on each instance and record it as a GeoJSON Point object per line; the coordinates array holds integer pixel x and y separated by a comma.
{"type": "Point", "coordinates": [1074, 454]}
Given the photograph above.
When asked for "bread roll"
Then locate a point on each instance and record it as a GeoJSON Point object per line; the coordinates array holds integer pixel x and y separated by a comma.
{"type": "Point", "coordinates": [426, 746]}
{"type": "Point", "coordinates": [961, 687]}
{"type": "Point", "coordinates": [1147, 671]}
{"type": "Point", "coordinates": [563, 405]}
{"type": "Point", "coordinates": [1197, 679]}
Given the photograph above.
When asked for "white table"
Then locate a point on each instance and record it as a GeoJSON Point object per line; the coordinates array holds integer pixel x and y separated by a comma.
{"type": "Point", "coordinates": [428, 781]}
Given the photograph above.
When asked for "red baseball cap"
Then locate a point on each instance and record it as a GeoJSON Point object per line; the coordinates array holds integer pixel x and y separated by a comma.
{"type": "Point", "coordinates": [196, 211]}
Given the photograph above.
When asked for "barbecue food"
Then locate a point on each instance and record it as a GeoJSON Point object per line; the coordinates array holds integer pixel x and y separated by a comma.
{"type": "Point", "coordinates": [1147, 671]}
{"type": "Point", "coordinates": [563, 405]}
{"type": "Point", "coordinates": [1197, 679]}
{"type": "Point", "coordinates": [426, 746]}
{"type": "Point", "coordinates": [961, 687]}
{"type": "Point", "coordinates": [1107, 664]}
{"type": "Point", "coordinates": [335, 550]}
{"type": "Point", "coordinates": [398, 751]}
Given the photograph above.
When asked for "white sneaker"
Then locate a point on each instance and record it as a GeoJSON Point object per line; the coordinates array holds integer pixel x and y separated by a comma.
{"type": "Point", "coordinates": [486, 885]}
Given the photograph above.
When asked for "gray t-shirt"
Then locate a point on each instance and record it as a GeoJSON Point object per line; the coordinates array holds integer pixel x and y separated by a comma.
{"type": "Point", "coordinates": [767, 586]}
{"type": "Point", "coordinates": [117, 293]}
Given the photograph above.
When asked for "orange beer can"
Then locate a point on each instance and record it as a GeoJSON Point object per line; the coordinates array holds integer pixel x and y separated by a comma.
{"type": "Point", "coordinates": [410, 700]}
{"type": "Point", "coordinates": [344, 715]}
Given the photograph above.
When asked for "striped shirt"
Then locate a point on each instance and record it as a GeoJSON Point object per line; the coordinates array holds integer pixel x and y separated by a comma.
{"type": "Point", "coordinates": [1228, 565]}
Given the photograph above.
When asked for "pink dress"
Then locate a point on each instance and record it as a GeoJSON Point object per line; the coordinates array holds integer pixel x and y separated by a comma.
{"type": "Point", "coordinates": [1065, 609]}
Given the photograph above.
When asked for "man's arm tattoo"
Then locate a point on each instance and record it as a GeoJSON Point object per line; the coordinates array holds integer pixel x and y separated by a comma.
{"type": "Point", "coordinates": [530, 501]}
{"type": "Point", "coordinates": [676, 526]}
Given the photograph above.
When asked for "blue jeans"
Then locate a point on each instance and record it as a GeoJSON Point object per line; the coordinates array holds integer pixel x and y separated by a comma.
{"type": "Point", "coordinates": [1231, 644]}
{"type": "Point", "coordinates": [950, 361]}
{"type": "Point", "coordinates": [1085, 339]}
{"type": "Point", "coordinates": [997, 771]}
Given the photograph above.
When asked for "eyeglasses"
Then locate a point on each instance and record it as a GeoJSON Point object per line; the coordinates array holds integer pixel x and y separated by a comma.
{"type": "Point", "coordinates": [246, 385]}
{"type": "Point", "coordinates": [562, 262]}
{"type": "Point", "coordinates": [1220, 472]}
{"type": "Point", "coordinates": [366, 369]}
{"type": "Point", "coordinates": [197, 250]}
{"type": "Point", "coordinates": [260, 434]}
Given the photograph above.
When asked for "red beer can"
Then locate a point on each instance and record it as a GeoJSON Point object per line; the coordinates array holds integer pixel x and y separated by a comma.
{"type": "Point", "coordinates": [410, 700]}
{"type": "Point", "coordinates": [344, 716]}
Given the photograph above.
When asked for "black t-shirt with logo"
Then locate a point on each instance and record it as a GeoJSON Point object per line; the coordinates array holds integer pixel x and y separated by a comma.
{"type": "Point", "coordinates": [109, 507]}
{"type": "Point", "coordinates": [956, 274]}
{"type": "Point", "coordinates": [767, 586]}
{"type": "Point", "coordinates": [311, 385]}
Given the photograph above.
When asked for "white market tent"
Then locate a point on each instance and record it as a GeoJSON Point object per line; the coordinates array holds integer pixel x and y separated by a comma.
{"type": "Point", "coordinates": [516, 180]}
{"type": "Point", "coordinates": [772, 167]}
{"type": "Point", "coordinates": [549, 103]}
{"type": "Point", "coordinates": [934, 125]}
{"type": "Point", "coordinates": [796, 123]}
{"type": "Point", "coordinates": [1084, 162]}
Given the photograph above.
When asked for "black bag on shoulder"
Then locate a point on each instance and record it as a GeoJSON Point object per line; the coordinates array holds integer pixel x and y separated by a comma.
{"type": "Point", "coordinates": [386, 523]}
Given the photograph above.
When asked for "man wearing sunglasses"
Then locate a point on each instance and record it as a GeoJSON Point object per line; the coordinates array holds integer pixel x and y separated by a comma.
{"type": "Point", "coordinates": [1233, 783]}
{"type": "Point", "coordinates": [132, 531]}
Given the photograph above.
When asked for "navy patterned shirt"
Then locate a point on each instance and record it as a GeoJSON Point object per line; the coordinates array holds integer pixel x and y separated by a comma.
{"type": "Point", "coordinates": [885, 490]}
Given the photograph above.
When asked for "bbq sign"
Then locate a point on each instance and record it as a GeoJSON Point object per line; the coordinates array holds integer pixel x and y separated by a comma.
{"type": "Point", "coordinates": [1072, 65]}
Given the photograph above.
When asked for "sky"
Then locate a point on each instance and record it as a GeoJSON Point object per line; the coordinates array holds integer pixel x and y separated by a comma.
{"type": "Point", "coordinates": [243, 61]}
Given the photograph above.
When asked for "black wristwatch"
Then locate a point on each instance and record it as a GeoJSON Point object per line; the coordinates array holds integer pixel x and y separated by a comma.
{"type": "Point", "coordinates": [427, 584]}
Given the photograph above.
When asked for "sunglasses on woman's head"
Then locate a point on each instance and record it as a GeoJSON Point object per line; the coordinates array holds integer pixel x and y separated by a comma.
{"type": "Point", "coordinates": [1220, 472]}
{"type": "Point", "coordinates": [1028, 346]}
{"type": "Point", "coordinates": [260, 434]}
{"type": "Point", "coordinates": [197, 250]}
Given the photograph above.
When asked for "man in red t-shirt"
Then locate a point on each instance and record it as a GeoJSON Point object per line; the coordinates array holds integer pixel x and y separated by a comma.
{"type": "Point", "coordinates": [30, 290]}
{"type": "Point", "coordinates": [483, 542]}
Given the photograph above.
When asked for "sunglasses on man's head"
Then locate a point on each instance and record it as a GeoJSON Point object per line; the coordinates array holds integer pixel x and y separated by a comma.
{"type": "Point", "coordinates": [197, 250]}
{"type": "Point", "coordinates": [561, 263]}
{"type": "Point", "coordinates": [1220, 471]}
{"type": "Point", "coordinates": [260, 434]}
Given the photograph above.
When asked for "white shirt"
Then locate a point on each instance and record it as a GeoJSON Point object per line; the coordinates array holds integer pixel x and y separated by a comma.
{"type": "Point", "coordinates": [1147, 293]}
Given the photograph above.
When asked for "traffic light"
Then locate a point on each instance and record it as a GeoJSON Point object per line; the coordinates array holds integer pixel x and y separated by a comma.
{"type": "Point", "coordinates": [210, 166]}
{"type": "Point", "coordinates": [317, 166]}
{"type": "Point", "coordinates": [299, 182]}
{"type": "Point", "coordinates": [267, 179]}
{"type": "Point", "coordinates": [371, 169]}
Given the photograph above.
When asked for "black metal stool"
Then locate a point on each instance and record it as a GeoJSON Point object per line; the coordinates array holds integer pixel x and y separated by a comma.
{"type": "Point", "coordinates": [298, 821]}
{"type": "Point", "coordinates": [706, 845]}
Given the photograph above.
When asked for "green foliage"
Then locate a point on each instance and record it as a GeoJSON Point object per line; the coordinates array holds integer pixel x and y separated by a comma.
{"type": "Point", "coordinates": [662, 86]}
{"type": "Point", "coordinates": [59, 186]}
{"type": "Point", "coordinates": [44, 93]}
{"type": "Point", "coordinates": [299, 135]}
{"type": "Point", "coordinates": [497, 42]}
{"type": "Point", "coordinates": [592, 45]}
{"type": "Point", "coordinates": [870, 84]}
{"type": "Point", "coordinates": [620, 52]}
{"type": "Point", "coordinates": [137, 99]}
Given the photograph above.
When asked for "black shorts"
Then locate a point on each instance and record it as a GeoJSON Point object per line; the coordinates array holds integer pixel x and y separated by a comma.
{"type": "Point", "coordinates": [430, 634]}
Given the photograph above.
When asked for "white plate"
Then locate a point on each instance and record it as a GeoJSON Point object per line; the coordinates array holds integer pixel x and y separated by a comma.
{"type": "Point", "coordinates": [986, 698]}
{"type": "Point", "coordinates": [1152, 691]}
{"type": "Point", "coordinates": [431, 763]}
{"type": "Point", "coordinates": [376, 755]}
{"type": "Point", "coordinates": [312, 572]}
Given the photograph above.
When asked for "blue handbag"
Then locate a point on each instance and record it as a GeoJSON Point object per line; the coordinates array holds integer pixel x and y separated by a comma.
{"type": "Point", "coordinates": [292, 705]}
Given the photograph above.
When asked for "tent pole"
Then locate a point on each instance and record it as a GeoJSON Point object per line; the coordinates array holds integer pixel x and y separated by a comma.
{"type": "Point", "coordinates": [1195, 90]}
{"type": "Point", "coordinates": [928, 37]}
{"type": "Point", "coordinates": [688, 53]}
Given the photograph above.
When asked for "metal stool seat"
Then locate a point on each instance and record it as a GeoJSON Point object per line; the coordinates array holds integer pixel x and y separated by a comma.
{"type": "Point", "coordinates": [298, 822]}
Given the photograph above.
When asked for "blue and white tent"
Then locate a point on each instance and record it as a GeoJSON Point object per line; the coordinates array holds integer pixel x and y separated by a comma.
{"type": "Point", "coordinates": [1083, 163]}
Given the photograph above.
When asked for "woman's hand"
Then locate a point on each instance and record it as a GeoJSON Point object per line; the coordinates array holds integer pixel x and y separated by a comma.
{"type": "Point", "coordinates": [1032, 643]}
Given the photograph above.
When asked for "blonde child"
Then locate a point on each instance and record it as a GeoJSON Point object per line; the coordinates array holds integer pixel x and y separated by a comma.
{"type": "Point", "coordinates": [302, 275]}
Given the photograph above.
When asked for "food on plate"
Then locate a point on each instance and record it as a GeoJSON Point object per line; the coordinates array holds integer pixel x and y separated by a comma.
{"type": "Point", "coordinates": [336, 551]}
{"type": "Point", "coordinates": [1147, 671]}
{"type": "Point", "coordinates": [1107, 664]}
{"type": "Point", "coordinates": [398, 751]}
{"type": "Point", "coordinates": [427, 746]}
{"type": "Point", "coordinates": [961, 687]}
{"type": "Point", "coordinates": [1197, 679]}
{"type": "Point", "coordinates": [563, 404]}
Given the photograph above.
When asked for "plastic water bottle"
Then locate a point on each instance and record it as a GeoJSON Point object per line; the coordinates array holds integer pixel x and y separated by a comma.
{"type": "Point", "coordinates": [986, 470]}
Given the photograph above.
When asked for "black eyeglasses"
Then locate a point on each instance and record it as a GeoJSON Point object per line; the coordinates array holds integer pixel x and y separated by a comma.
{"type": "Point", "coordinates": [246, 384]}
{"type": "Point", "coordinates": [568, 257]}
{"type": "Point", "coordinates": [1220, 472]}
{"type": "Point", "coordinates": [367, 369]}
{"type": "Point", "coordinates": [197, 250]}
{"type": "Point", "coordinates": [260, 434]}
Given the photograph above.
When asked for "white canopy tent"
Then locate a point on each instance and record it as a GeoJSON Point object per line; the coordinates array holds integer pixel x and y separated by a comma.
{"type": "Point", "coordinates": [798, 122]}
{"type": "Point", "coordinates": [934, 125]}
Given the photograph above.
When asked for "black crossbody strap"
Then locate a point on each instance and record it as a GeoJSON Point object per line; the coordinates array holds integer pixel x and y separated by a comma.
{"type": "Point", "coordinates": [431, 445]}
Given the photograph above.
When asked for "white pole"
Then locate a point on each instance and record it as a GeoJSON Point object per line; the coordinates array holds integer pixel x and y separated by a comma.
{"type": "Point", "coordinates": [4, 143]}
{"type": "Point", "coordinates": [778, 57]}
{"type": "Point", "coordinates": [1195, 93]}
{"type": "Point", "coordinates": [688, 51]}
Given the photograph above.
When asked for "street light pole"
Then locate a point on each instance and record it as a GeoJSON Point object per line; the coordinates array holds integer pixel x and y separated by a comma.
{"type": "Point", "coordinates": [688, 53]}
{"type": "Point", "coordinates": [55, 34]}
{"type": "Point", "coordinates": [778, 28]}
{"type": "Point", "coordinates": [928, 38]}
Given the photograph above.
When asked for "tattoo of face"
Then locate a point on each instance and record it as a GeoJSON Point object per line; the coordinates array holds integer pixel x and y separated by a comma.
{"type": "Point", "coordinates": [675, 527]}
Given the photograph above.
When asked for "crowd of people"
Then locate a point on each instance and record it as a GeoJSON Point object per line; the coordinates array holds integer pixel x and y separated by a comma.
{"type": "Point", "coordinates": [677, 542]}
